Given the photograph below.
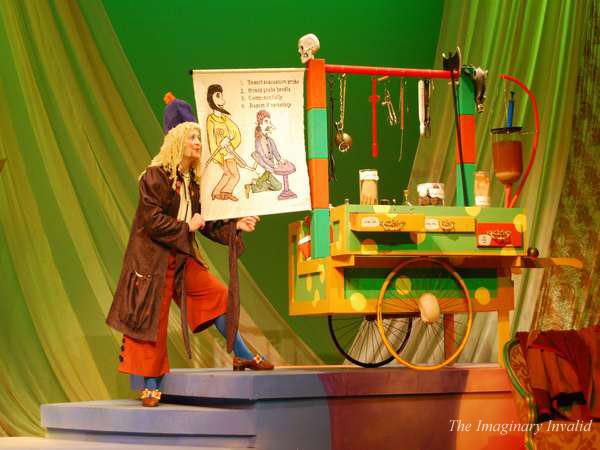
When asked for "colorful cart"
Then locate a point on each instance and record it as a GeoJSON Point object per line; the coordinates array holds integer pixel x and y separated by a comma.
{"type": "Point", "coordinates": [403, 282]}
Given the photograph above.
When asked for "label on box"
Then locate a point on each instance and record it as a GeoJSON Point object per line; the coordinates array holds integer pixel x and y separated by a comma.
{"type": "Point", "coordinates": [432, 224]}
{"type": "Point", "coordinates": [484, 240]}
{"type": "Point", "coordinates": [369, 222]}
{"type": "Point", "coordinates": [482, 200]}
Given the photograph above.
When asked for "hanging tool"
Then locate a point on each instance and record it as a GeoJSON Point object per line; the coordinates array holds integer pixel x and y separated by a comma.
{"type": "Point", "coordinates": [401, 107]}
{"type": "Point", "coordinates": [342, 139]}
{"type": "Point", "coordinates": [332, 132]}
{"type": "Point", "coordinates": [424, 86]}
{"type": "Point", "coordinates": [387, 103]}
{"type": "Point", "coordinates": [511, 110]}
{"type": "Point", "coordinates": [374, 98]}
{"type": "Point", "coordinates": [478, 76]}
{"type": "Point", "coordinates": [479, 82]}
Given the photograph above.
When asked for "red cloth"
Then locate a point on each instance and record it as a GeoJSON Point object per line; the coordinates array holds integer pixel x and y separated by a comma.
{"type": "Point", "coordinates": [564, 372]}
{"type": "Point", "coordinates": [206, 300]}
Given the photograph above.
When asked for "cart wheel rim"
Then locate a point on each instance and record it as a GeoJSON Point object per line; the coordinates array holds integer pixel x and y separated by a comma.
{"type": "Point", "coordinates": [346, 353]}
{"type": "Point", "coordinates": [380, 319]}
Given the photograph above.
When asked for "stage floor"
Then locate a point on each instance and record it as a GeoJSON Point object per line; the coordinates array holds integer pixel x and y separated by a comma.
{"type": "Point", "coordinates": [318, 407]}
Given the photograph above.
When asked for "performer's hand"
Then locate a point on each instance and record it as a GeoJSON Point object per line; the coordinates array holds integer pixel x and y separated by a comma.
{"type": "Point", "coordinates": [196, 223]}
{"type": "Point", "coordinates": [225, 142]}
{"type": "Point", "coordinates": [247, 223]}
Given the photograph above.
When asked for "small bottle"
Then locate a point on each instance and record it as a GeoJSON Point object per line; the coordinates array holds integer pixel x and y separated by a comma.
{"type": "Point", "coordinates": [406, 202]}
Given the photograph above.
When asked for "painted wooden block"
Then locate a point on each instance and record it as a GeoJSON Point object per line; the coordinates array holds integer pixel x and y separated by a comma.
{"type": "Point", "coordinates": [467, 130]}
{"type": "Point", "coordinates": [470, 179]}
{"type": "Point", "coordinates": [318, 171]}
{"type": "Point", "coordinates": [315, 84]}
{"type": "Point", "coordinates": [320, 233]}
{"type": "Point", "coordinates": [317, 133]}
{"type": "Point", "coordinates": [387, 222]}
{"type": "Point", "coordinates": [466, 95]}
{"type": "Point", "coordinates": [493, 234]}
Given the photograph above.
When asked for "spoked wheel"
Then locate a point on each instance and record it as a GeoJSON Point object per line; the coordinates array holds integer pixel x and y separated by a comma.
{"type": "Point", "coordinates": [435, 295]}
{"type": "Point", "coordinates": [359, 340]}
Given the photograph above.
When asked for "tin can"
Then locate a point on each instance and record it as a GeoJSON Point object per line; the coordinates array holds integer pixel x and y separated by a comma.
{"type": "Point", "coordinates": [431, 194]}
{"type": "Point", "coordinates": [482, 188]}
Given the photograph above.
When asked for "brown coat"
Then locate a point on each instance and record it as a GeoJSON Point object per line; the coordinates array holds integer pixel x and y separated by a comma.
{"type": "Point", "coordinates": [154, 234]}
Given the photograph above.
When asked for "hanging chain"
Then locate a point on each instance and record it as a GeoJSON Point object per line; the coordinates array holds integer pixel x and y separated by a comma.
{"type": "Point", "coordinates": [340, 124]}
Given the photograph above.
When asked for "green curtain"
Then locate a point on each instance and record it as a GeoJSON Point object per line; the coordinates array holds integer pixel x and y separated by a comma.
{"type": "Point", "coordinates": [540, 43]}
{"type": "Point", "coordinates": [570, 298]}
{"type": "Point", "coordinates": [76, 131]}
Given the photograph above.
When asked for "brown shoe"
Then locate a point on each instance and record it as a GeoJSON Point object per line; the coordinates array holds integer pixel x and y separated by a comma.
{"type": "Point", "coordinates": [150, 398]}
{"type": "Point", "coordinates": [256, 363]}
{"type": "Point", "coordinates": [229, 196]}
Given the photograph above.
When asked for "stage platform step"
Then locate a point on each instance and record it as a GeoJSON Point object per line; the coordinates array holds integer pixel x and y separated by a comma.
{"type": "Point", "coordinates": [32, 443]}
{"type": "Point", "coordinates": [127, 421]}
{"type": "Point", "coordinates": [305, 408]}
{"type": "Point", "coordinates": [327, 382]}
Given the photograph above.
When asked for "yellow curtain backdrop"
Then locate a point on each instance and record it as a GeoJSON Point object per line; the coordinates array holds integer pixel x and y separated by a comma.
{"type": "Point", "coordinates": [570, 298]}
{"type": "Point", "coordinates": [540, 43]}
{"type": "Point", "coordinates": [76, 131]}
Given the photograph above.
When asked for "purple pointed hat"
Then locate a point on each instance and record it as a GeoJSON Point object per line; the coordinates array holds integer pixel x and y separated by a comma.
{"type": "Point", "coordinates": [176, 111]}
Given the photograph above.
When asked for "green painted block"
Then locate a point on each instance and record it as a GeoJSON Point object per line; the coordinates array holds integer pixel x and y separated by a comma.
{"type": "Point", "coordinates": [413, 209]}
{"type": "Point", "coordinates": [317, 133]}
{"type": "Point", "coordinates": [466, 95]}
{"type": "Point", "coordinates": [416, 281]}
{"type": "Point", "coordinates": [470, 177]}
{"type": "Point", "coordinates": [319, 233]}
{"type": "Point", "coordinates": [500, 214]}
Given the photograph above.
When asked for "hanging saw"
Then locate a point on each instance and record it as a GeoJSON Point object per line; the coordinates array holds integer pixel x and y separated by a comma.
{"type": "Point", "coordinates": [424, 108]}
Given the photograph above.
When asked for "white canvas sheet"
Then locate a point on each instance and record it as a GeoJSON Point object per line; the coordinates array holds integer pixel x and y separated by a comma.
{"type": "Point", "coordinates": [253, 152]}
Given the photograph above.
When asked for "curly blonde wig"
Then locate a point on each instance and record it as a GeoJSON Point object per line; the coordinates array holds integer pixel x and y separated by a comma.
{"type": "Point", "coordinates": [171, 152]}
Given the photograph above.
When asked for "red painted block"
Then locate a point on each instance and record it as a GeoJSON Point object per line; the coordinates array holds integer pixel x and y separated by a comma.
{"type": "Point", "coordinates": [498, 235]}
{"type": "Point", "coordinates": [319, 182]}
{"type": "Point", "coordinates": [315, 84]}
{"type": "Point", "coordinates": [467, 132]}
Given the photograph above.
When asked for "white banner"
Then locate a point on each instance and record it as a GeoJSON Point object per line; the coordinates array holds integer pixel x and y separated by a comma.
{"type": "Point", "coordinates": [253, 152]}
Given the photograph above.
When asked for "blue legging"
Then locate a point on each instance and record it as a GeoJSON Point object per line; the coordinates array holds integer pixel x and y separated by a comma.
{"type": "Point", "coordinates": [239, 349]}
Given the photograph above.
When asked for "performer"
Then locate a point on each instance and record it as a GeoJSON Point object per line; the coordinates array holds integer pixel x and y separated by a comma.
{"type": "Point", "coordinates": [223, 139]}
{"type": "Point", "coordinates": [162, 262]}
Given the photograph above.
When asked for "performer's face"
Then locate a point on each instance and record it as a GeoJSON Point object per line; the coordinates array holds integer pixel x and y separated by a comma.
{"type": "Point", "coordinates": [193, 146]}
{"type": "Point", "coordinates": [219, 99]}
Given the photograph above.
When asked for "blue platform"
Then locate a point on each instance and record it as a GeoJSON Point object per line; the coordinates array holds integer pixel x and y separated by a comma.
{"type": "Point", "coordinates": [318, 408]}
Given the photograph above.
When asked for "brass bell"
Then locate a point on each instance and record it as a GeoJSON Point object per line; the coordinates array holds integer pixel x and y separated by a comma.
{"type": "Point", "coordinates": [343, 141]}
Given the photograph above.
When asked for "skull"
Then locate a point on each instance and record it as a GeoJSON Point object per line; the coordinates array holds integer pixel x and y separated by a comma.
{"type": "Point", "coordinates": [308, 45]}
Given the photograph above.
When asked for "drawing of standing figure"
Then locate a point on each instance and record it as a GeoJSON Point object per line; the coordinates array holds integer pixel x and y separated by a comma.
{"type": "Point", "coordinates": [223, 139]}
{"type": "Point", "coordinates": [266, 155]}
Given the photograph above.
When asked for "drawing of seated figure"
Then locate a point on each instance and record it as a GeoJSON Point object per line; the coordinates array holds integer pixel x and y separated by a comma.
{"type": "Point", "coordinates": [266, 155]}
